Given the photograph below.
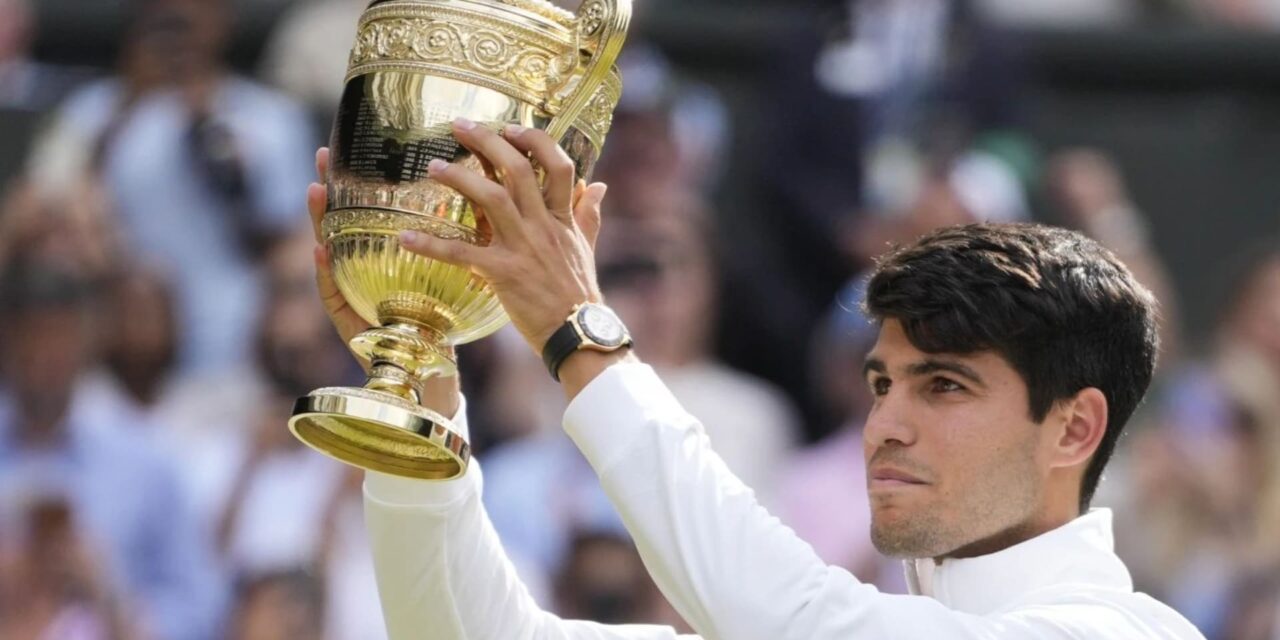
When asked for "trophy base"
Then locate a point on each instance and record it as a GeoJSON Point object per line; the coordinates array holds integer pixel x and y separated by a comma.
{"type": "Point", "coordinates": [380, 431]}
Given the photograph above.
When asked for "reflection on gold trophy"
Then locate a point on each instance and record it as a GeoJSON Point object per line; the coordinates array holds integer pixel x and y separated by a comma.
{"type": "Point", "coordinates": [416, 66]}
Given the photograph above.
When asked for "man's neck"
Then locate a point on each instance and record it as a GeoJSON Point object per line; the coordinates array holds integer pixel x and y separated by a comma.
{"type": "Point", "coordinates": [1034, 527]}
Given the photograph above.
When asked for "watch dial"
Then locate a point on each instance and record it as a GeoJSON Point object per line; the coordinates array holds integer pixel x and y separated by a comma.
{"type": "Point", "coordinates": [602, 326]}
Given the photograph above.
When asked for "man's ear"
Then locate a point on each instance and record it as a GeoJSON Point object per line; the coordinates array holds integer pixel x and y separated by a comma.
{"type": "Point", "coordinates": [1085, 417]}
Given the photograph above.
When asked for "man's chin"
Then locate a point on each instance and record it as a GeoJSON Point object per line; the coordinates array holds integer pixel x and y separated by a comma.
{"type": "Point", "coordinates": [899, 535]}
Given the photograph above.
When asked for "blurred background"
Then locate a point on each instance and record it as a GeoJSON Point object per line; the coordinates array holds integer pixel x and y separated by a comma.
{"type": "Point", "coordinates": [158, 312]}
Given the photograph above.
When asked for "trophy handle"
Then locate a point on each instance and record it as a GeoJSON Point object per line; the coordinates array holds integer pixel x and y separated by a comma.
{"type": "Point", "coordinates": [602, 28]}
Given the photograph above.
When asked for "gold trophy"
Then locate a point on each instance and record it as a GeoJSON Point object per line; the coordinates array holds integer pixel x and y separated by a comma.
{"type": "Point", "coordinates": [416, 66]}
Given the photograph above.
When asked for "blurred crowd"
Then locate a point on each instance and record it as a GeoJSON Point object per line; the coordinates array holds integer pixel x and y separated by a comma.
{"type": "Point", "coordinates": [158, 317]}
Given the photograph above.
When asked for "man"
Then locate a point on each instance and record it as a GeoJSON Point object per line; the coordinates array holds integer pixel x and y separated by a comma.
{"type": "Point", "coordinates": [1009, 359]}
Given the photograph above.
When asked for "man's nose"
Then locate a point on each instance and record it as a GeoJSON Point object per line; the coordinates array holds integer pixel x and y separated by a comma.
{"type": "Point", "coordinates": [890, 420]}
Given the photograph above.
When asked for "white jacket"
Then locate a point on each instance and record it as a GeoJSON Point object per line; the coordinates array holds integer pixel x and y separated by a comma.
{"type": "Point", "coordinates": [732, 570]}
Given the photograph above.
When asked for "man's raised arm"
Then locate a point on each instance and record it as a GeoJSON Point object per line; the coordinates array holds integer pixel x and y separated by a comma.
{"type": "Point", "coordinates": [442, 574]}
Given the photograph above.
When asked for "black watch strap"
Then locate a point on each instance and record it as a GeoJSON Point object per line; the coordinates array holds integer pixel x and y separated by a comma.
{"type": "Point", "coordinates": [562, 344]}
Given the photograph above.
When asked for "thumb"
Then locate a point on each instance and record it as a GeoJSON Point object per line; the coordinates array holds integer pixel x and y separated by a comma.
{"type": "Point", "coordinates": [588, 211]}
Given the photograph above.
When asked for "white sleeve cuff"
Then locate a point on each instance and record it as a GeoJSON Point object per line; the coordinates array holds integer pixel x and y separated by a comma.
{"type": "Point", "coordinates": [622, 403]}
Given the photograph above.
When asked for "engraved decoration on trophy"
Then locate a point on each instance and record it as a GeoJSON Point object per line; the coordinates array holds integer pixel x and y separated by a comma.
{"type": "Point", "coordinates": [416, 66]}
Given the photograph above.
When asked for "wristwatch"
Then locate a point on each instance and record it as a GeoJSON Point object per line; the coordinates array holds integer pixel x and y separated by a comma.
{"type": "Point", "coordinates": [590, 326]}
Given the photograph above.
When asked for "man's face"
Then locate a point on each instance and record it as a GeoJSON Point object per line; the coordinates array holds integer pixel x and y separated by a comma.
{"type": "Point", "coordinates": [181, 37]}
{"type": "Point", "coordinates": [952, 453]}
{"type": "Point", "coordinates": [43, 353]}
{"type": "Point", "coordinates": [141, 343]}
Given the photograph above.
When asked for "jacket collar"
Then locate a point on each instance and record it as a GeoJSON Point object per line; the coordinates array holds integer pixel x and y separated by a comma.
{"type": "Point", "coordinates": [1079, 552]}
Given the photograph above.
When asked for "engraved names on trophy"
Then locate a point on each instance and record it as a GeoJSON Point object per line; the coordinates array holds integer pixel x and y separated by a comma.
{"type": "Point", "coordinates": [371, 145]}
{"type": "Point", "coordinates": [434, 142]}
{"type": "Point", "coordinates": [365, 154]}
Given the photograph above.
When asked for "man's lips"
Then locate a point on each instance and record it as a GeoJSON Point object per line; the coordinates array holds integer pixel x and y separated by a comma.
{"type": "Point", "coordinates": [888, 477]}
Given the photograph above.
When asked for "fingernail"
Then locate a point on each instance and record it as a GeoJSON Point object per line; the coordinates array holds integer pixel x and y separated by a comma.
{"type": "Point", "coordinates": [437, 165]}
{"type": "Point", "coordinates": [464, 124]}
{"type": "Point", "coordinates": [410, 237]}
{"type": "Point", "coordinates": [515, 130]}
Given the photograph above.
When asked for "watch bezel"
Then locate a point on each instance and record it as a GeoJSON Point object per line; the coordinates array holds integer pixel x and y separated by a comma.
{"type": "Point", "coordinates": [589, 338]}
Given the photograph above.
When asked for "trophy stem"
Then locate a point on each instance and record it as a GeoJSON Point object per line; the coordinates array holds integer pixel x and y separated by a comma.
{"type": "Point", "coordinates": [389, 378]}
{"type": "Point", "coordinates": [404, 353]}
{"type": "Point", "coordinates": [383, 427]}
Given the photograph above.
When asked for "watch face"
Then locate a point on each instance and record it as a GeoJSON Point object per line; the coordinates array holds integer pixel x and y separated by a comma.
{"type": "Point", "coordinates": [601, 326]}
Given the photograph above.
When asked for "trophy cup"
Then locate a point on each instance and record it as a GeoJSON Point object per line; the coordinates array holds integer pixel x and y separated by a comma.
{"type": "Point", "coordinates": [416, 66]}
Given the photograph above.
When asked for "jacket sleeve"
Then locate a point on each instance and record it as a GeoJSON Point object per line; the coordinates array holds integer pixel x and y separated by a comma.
{"type": "Point", "coordinates": [442, 573]}
{"type": "Point", "coordinates": [733, 571]}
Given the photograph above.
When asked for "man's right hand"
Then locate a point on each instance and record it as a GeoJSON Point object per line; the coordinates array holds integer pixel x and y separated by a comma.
{"type": "Point", "coordinates": [441, 395]}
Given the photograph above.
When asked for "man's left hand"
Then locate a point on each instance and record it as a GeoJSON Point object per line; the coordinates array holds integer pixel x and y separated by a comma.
{"type": "Point", "coordinates": [541, 259]}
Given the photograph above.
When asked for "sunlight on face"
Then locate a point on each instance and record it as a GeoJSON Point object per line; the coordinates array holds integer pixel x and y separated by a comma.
{"type": "Point", "coordinates": [950, 446]}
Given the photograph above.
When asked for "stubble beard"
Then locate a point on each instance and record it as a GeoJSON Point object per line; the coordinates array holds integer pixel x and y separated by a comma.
{"type": "Point", "coordinates": [997, 502]}
{"type": "Point", "coordinates": [922, 535]}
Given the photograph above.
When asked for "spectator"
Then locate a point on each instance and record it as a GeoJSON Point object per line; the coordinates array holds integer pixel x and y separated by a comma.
{"type": "Point", "coordinates": [604, 580]}
{"type": "Point", "coordinates": [26, 85]}
{"type": "Point", "coordinates": [1201, 482]}
{"type": "Point", "coordinates": [279, 606]}
{"type": "Point", "coordinates": [204, 167]}
{"type": "Point", "coordinates": [1090, 193]}
{"type": "Point", "coordinates": [668, 130]}
{"type": "Point", "coordinates": [118, 488]}
{"type": "Point", "coordinates": [70, 225]}
{"type": "Point", "coordinates": [54, 585]}
{"type": "Point", "coordinates": [277, 489]}
{"type": "Point", "coordinates": [303, 59]}
{"type": "Point", "coordinates": [658, 268]}
{"type": "Point", "coordinates": [27, 89]}
{"type": "Point", "coordinates": [273, 510]}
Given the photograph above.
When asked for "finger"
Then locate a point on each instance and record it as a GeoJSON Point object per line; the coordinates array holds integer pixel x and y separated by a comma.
{"type": "Point", "coordinates": [454, 252]}
{"type": "Point", "coordinates": [332, 298]}
{"type": "Point", "coordinates": [484, 193]}
{"type": "Point", "coordinates": [588, 212]}
{"type": "Point", "coordinates": [347, 322]}
{"type": "Point", "coordinates": [556, 164]}
{"type": "Point", "coordinates": [317, 202]}
{"type": "Point", "coordinates": [579, 188]}
{"type": "Point", "coordinates": [322, 165]}
{"type": "Point", "coordinates": [512, 166]}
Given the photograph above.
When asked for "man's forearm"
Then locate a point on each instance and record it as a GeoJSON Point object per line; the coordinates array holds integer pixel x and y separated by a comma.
{"type": "Point", "coordinates": [726, 566]}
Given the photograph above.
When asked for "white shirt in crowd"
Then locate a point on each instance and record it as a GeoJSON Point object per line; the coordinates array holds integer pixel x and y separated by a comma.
{"type": "Point", "coordinates": [729, 568]}
{"type": "Point", "coordinates": [168, 212]}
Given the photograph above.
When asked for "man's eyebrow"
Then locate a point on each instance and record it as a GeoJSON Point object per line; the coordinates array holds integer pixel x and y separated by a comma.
{"type": "Point", "coordinates": [874, 365]}
{"type": "Point", "coordinates": [931, 365]}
